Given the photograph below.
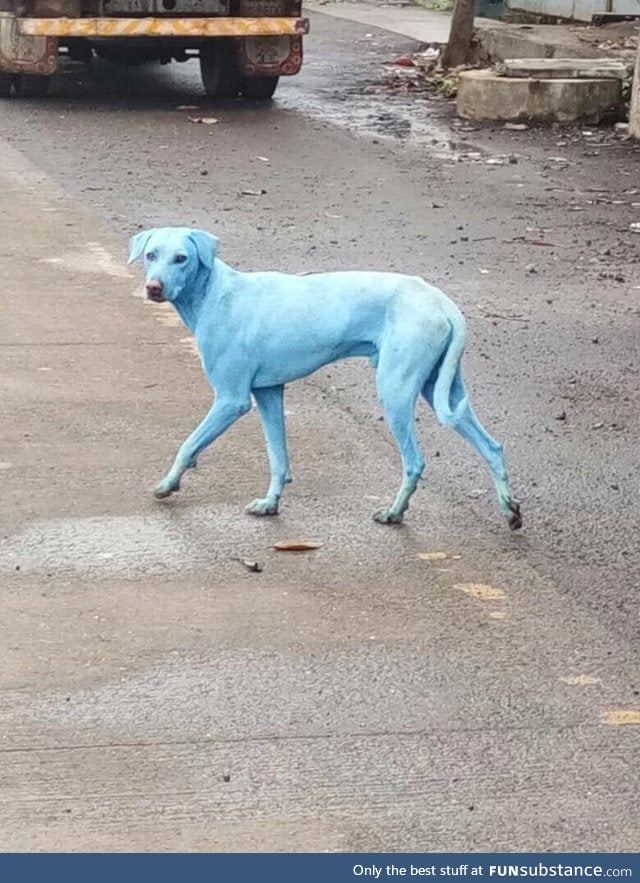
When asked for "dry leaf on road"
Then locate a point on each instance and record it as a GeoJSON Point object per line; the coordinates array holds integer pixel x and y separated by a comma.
{"type": "Point", "coordinates": [296, 545]}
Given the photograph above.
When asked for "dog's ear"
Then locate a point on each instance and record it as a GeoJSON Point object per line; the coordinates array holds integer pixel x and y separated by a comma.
{"type": "Point", "coordinates": [137, 245]}
{"type": "Point", "coordinates": [206, 246]}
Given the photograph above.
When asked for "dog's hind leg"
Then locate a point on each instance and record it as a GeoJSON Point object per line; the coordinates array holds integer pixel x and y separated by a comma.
{"type": "Point", "coordinates": [466, 424]}
{"type": "Point", "coordinates": [270, 401]}
{"type": "Point", "coordinates": [224, 412]}
{"type": "Point", "coordinates": [398, 386]}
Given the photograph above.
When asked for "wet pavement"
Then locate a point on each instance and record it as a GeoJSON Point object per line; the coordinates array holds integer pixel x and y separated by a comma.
{"type": "Point", "coordinates": [157, 695]}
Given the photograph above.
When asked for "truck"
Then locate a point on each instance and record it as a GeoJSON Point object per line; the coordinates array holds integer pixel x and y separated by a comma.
{"type": "Point", "coordinates": [243, 46]}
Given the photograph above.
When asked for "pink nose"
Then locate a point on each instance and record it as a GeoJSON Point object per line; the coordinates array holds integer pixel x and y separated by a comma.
{"type": "Point", "coordinates": [154, 289]}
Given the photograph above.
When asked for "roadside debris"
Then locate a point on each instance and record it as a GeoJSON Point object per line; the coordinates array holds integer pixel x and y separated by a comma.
{"type": "Point", "coordinates": [296, 545]}
{"type": "Point", "coordinates": [482, 592]}
{"type": "Point", "coordinates": [405, 61]}
{"type": "Point", "coordinates": [248, 192]}
{"type": "Point", "coordinates": [205, 121]}
{"type": "Point", "coordinates": [252, 566]}
{"type": "Point", "coordinates": [421, 72]}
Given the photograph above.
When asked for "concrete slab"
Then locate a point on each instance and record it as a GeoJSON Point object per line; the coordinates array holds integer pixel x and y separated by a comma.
{"type": "Point", "coordinates": [485, 95]}
{"type": "Point", "coordinates": [496, 41]}
{"type": "Point", "coordinates": [567, 68]}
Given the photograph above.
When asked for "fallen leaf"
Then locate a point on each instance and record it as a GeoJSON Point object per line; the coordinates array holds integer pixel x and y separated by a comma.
{"type": "Point", "coordinates": [296, 545]}
{"type": "Point", "coordinates": [432, 556]}
{"type": "Point", "coordinates": [482, 592]}
{"type": "Point", "coordinates": [404, 61]}
{"type": "Point", "coordinates": [206, 121]}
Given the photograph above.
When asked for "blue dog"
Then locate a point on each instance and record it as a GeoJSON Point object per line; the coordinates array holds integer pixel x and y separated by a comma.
{"type": "Point", "coordinates": [257, 331]}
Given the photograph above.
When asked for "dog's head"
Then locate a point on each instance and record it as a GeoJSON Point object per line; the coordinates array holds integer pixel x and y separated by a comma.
{"type": "Point", "coordinates": [176, 260]}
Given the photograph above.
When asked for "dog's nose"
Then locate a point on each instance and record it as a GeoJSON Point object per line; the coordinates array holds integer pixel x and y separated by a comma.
{"type": "Point", "coordinates": [154, 289]}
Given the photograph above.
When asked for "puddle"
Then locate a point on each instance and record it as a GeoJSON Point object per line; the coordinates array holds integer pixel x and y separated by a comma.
{"type": "Point", "coordinates": [384, 116]}
{"type": "Point", "coordinates": [355, 97]}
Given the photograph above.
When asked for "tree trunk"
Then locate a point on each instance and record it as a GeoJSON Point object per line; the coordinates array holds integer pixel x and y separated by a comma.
{"type": "Point", "coordinates": [634, 112]}
{"type": "Point", "coordinates": [460, 33]}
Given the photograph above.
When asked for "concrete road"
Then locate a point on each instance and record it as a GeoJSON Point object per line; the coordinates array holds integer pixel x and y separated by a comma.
{"type": "Point", "coordinates": [159, 696]}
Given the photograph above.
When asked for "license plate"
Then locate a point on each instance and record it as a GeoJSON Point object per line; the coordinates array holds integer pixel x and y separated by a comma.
{"type": "Point", "coordinates": [267, 50]}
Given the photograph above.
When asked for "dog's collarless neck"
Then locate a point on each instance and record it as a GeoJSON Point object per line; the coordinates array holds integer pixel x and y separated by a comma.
{"type": "Point", "coordinates": [189, 308]}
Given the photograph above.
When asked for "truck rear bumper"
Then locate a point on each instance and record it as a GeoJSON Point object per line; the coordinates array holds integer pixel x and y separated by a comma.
{"type": "Point", "coordinates": [161, 27]}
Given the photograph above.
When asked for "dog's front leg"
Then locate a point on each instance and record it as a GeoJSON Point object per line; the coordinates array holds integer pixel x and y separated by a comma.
{"type": "Point", "coordinates": [270, 401]}
{"type": "Point", "coordinates": [224, 412]}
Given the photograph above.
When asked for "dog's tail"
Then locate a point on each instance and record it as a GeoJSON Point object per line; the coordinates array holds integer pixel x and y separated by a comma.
{"type": "Point", "coordinates": [449, 396]}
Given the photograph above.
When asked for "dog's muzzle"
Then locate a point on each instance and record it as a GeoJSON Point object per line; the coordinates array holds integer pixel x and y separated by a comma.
{"type": "Point", "coordinates": [154, 290]}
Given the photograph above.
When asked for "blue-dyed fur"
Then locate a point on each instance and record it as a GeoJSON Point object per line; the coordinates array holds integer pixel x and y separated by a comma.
{"type": "Point", "coordinates": [258, 331]}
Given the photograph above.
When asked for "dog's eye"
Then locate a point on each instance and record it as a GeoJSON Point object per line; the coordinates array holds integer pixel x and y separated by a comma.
{"type": "Point", "coordinates": [151, 256]}
{"type": "Point", "coordinates": [180, 259]}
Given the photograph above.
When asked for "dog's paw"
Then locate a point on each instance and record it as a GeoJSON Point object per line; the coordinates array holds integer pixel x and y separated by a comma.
{"type": "Point", "coordinates": [262, 507]}
{"type": "Point", "coordinates": [163, 489]}
{"type": "Point", "coordinates": [515, 519]}
{"type": "Point", "coordinates": [387, 516]}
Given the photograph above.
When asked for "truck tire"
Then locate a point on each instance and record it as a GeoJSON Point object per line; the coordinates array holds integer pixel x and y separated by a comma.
{"type": "Point", "coordinates": [23, 85]}
{"type": "Point", "coordinates": [219, 69]}
{"type": "Point", "coordinates": [8, 85]}
{"type": "Point", "coordinates": [32, 86]}
{"type": "Point", "coordinates": [259, 88]}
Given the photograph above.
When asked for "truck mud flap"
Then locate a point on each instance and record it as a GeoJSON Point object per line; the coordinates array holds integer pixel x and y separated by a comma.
{"type": "Point", "coordinates": [25, 54]}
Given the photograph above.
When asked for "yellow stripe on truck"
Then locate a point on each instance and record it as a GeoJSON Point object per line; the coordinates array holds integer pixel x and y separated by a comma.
{"type": "Point", "coordinates": [161, 27]}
